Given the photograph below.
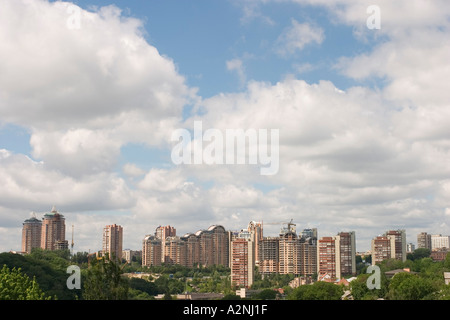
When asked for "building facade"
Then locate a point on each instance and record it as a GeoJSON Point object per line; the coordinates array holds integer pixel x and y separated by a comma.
{"type": "Point", "coordinates": [243, 260]}
{"type": "Point", "coordinates": [151, 251]}
{"type": "Point", "coordinates": [53, 232]}
{"type": "Point", "coordinates": [424, 240]}
{"type": "Point", "coordinates": [439, 242]}
{"type": "Point", "coordinates": [31, 234]}
{"type": "Point", "coordinates": [269, 255]}
{"type": "Point", "coordinates": [392, 245]}
{"type": "Point", "coordinates": [336, 256]}
{"type": "Point", "coordinates": [112, 241]}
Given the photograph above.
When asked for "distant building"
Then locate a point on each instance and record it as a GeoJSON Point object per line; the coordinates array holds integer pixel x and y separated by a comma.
{"type": "Point", "coordinates": [243, 259]}
{"type": "Point", "coordinates": [53, 233]}
{"type": "Point", "coordinates": [162, 232]}
{"type": "Point", "coordinates": [439, 241]}
{"type": "Point", "coordinates": [256, 230]}
{"type": "Point", "coordinates": [410, 247]}
{"type": "Point", "coordinates": [392, 245]}
{"type": "Point", "coordinates": [151, 251]}
{"type": "Point", "coordinates": [128, 254]}
{"type": "Point", "coordinates": [269, 255]}
{"type": "Point", "coordinates": [112, 241]}
{"type": "Point", "coordinates": [424, 241]}
{"type": "Point", "coordinates": [336, 256]}
{"type": "Point", "coordinates": [440, 254]}
{"type": "Point", "coordinates": [31, 234]}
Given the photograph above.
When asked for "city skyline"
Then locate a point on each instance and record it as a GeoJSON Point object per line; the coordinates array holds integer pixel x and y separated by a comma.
{"type": "Point", "coordinates": [163, 232]}
{"type": "Point", "coordinates": [353, 97]}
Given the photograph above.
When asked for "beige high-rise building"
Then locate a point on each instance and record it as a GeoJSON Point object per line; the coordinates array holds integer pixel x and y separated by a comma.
{"type": "Point", "coordinates": [214, 246]}
{"type": "Point", "coordinates": [112, 241]}
{"type": "Point", "coordinates": [289, 253]}
{"type": "Point", "coordinates": [151, 251]}
{"type": "Point", "coordinates": [308, 256]}
{"type": "Point", "coordinates": [175, 251]}
{"type": "Point", "coordinates": [256, 230]}
{"type": "Point", "coordinates": [162, 232]}
{"type": "Point", "coordinates": [31, 234]}
{"type": "Point", "coordinates": [53, 233]}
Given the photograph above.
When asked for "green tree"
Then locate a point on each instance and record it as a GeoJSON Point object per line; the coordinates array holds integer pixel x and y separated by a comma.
{"type": "Point", "coordinates": [104, 281]}
{"type": "Point", "coordinates": [318, 291]}
{"type": "Point", "coordinates": [407, 286]}
{"type": "Point", "coordinates": [419, 253]}
{"type": "Point", "coordinates": [266, 294]}
{"type": "Point", "coordinates": [15, 285]}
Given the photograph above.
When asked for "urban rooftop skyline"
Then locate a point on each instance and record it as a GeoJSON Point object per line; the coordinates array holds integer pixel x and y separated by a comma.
{"type": "Point", "coordinates": [133, 113]}
{"type": "Point", "coordinates": [283, 226]}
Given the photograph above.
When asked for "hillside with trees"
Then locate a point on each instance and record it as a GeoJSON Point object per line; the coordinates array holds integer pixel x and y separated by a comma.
{"type": "Point", "coordinates": [43, 274]}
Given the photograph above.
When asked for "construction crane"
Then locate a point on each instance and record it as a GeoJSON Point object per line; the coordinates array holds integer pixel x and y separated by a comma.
{"type": "Point", "coordinates": [290, 225]}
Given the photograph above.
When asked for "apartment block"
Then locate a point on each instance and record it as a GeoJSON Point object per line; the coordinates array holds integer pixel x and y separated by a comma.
{"type": "Point", "coordinates": [151, 251]}
{"type": "Point", "coordinates": [439, 242]}
{"type": "Point", "coordinates": [112, 241]}
{"type": "Point", "coordinates": [269, 255]}
{"type": "Point", "coordinates": [336, 256]}
{"type": "Point", "coordinates": [53, 232]}
{"type": "Point", "coordinates": [31, 234]}
{"type": "Point", "coordinates": [424, 240]}
{"type": "Point", "coordinates": [392, 245]}
{"type": "Point", "coordinates": [243, 259]}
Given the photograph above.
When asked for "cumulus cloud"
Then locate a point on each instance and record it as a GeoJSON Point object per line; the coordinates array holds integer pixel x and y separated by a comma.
{"type": "Point", "coordinates": [297, 36]}
{"type": "Point", "coordinates": [362, 158]}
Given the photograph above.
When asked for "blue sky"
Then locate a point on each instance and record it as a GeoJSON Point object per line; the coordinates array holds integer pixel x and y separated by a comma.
{"type": "Point", "coordinates": [87, 114]}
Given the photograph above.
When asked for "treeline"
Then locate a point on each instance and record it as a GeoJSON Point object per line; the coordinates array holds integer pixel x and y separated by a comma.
{"type": "Point", "coordinates": [42, 274]}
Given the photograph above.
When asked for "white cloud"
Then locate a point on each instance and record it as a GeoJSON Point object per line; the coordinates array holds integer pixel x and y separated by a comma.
{"type": "Point", "coordinates": [237, 66]}
{"type": "Point", "coordinates": [360, 158]}
{"type": "Point", "coordinates": [297, 36]}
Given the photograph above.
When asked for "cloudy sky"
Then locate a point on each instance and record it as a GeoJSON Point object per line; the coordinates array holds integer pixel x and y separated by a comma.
{"type": "Point", "coordinates": [92, 91]}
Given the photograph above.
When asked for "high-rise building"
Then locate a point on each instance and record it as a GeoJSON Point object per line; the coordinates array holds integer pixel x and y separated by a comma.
{"type": "Point", "coordinates": [269, 255]}
{"type": "Point", "coordinates": [53, 233]}
{"type": "Point", "coordinates": [399, 237]}
{"type": "Point", "coordinates": [328, 265]}
{"type": "Point", "coordinates": [347, 251]}
{"type": "Point", "coordinates": [308, 255]}
{"type": "Point", "coordinates": [381, 249]}
{"type": "Point", "coordinates": [214, 246]}
{"type": "Point", "coordinates": [256, 230]}
{"type": "Point", "coordinates": [151, 251]}
{"type": "Point", "coordinates": [162, 232]}
{"type": "Point", "coordinates": [31, 234]}
{"type": "Point", "coordinates": [243, 259]}
{"type": "Point", "coordinates": [439, 241]}
{"type": "Point", "coordinates": [424, 240]}
{"type": "Point", "coordinates": [336, 256]}
{"type": "Point", "coordinates": [289, 253]}
{"type": "Point", "coordinates": [192, 249]}
{"type": "Point", "coordinates": [392, 245]}
{"type": "Point", "coordinates": [112, 241]}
